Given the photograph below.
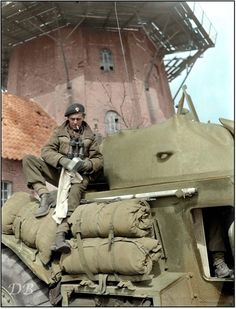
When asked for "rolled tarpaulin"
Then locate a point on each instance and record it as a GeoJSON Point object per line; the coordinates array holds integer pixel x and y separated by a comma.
{"type": "Point", "coordinates": [129, 218]}
{"type": "Point", "coordinates": [37, 233]}
{"type": "Point", "coordinates": [25, 225]}
{"type": "Point", "coordinates": [10, 209]}
{"type": "Point", "coordinates": [103, 257]}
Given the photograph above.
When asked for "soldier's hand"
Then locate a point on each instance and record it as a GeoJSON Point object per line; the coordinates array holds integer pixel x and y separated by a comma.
{"type": "Point", "coordinates": [71, 165]}
{"type": "Point", "coordinates": [86, 166]}
{"type": "Point", "coordinates": [64, 161]}
{"type": "Point", "coordinates": [76, 164]}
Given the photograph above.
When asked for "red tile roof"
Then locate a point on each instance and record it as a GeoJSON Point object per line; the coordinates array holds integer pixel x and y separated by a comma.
{"type": "Point", "coordinates": [26, 127]}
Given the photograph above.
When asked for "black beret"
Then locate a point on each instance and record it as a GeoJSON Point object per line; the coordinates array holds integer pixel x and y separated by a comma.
{"type": "Point", "coordinates": [74, 108]}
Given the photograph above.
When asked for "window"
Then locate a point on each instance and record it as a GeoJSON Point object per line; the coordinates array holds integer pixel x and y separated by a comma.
{"type": "Point", "coordinates": [6, 191]}
{"type": "Point", "coordinates": [106, 60]}
{"type": "Point", "coordinates": [213, 229]}
{"type": "Point", "coordinates": [112, 122]}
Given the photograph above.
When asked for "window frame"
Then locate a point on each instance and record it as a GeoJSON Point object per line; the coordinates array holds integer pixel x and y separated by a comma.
{"type": "Point", "coordinates": [6, 192]}
{"type": "Point", "coordinates": [106, 60]}
{"type": "Point", "coordinates": [112, 122]}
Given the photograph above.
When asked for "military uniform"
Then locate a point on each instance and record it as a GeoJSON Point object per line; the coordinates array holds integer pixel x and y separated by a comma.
{"type": "Point", "coordinates": [47, 168]}
{"type": "Point", "coordinates": [73, 147]}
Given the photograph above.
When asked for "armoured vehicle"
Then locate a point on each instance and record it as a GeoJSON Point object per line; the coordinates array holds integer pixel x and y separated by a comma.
{"type": "Point", "coordinates": [182, 170]}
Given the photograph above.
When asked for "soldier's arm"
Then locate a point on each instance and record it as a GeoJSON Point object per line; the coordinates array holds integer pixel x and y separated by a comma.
{"type": "Point", "coordinates": [95, 156]}
{"type": "Point", "coordinates": [50, 152]}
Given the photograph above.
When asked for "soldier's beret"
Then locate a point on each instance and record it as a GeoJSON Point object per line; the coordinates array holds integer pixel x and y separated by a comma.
{"type": "Point", "coordinates": [74, 108]}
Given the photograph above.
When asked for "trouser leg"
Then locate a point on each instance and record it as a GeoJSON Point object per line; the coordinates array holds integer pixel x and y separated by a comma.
{"type": "Point", "coordinates": [37, 172]}
{"type": "Point", "coordinates": [76, 193]}
{"type": "Point", "coordinates": [63, 227]}
{"type": "Point", "coordinates": [216, 242]}
{"type": "Point", "coordinates": [60, 244]}
{"type": "Point", "coordinates": [215, 231]}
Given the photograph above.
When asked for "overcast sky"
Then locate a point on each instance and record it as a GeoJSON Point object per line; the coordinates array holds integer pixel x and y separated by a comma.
{"type": "Point", "coordinates": [211, 80]}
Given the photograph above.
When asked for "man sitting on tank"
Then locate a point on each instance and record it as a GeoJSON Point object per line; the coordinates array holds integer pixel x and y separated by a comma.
{"type": "Point", "coordinates": [72, 146]}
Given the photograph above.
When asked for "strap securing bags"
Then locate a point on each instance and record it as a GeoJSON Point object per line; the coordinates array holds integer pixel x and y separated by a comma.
{"type": "Point", "coordinates": [138, 258]}
{"type": "Point", "coordinates": [130, 218]}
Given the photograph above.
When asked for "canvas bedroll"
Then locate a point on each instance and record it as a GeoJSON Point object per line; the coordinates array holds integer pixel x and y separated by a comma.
{"type": "Point", "coordinates": [90, 254]}
{"type": "Point", "coordinates": [101, 256]}
{"type": "Point", "coordinates": [131, 218]}
{"type": "Point", "coordinates": [37, 233]}
{"type": "Point", "coordinates": [11, 208]}
{"type": "Point", "coordinates": [19, 219]}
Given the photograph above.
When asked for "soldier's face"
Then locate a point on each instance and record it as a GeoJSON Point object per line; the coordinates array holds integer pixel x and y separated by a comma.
{"type": "Point", "coordinates": [75, 120]}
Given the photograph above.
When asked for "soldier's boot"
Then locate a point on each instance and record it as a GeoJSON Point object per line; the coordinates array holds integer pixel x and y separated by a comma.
{"type": "Point", "coordinates": [221, 268]}
{"type": "Point", "coordinates": [60, 244]}
{"type": "Point", "coordinates": [44, 206]}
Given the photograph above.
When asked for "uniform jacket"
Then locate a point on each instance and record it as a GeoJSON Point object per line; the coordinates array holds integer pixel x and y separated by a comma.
{"type": "Point", "coordinates": [58, 146]}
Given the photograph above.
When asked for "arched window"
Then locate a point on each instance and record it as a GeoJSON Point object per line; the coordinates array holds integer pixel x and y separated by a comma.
{"type": "Point", "coordinates": [112, 122]}
{"type": "Point", "coordinates": [106, 64]}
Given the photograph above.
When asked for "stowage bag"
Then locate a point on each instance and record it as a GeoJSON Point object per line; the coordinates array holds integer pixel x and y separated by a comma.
{"type": "Point", "coordinates": [125, 256]}
{"type": "Point", "coordinates": [19, 219]}
{"type": "Point", "coordinates": [129, 218]}
{"type": "Point", "coordinates": [10, 209]}
{"type": "Point", "coordinates": [25, 225]}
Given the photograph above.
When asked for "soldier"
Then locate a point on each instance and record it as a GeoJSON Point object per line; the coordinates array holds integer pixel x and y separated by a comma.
{"type": "Point", "coordinates": [218, 221]}
{"type": "Point", "coordinates": [74, 138]}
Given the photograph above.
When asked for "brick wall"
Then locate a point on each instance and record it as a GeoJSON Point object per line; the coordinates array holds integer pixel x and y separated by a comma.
{"type": "Point", "coordinates": [36, 70]}
{"type": "Point", "coordinates": [12, 172]}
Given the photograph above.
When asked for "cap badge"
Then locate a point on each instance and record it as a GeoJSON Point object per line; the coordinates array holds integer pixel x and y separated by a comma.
{"type": "Point", "coordinates": [77, 109]}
